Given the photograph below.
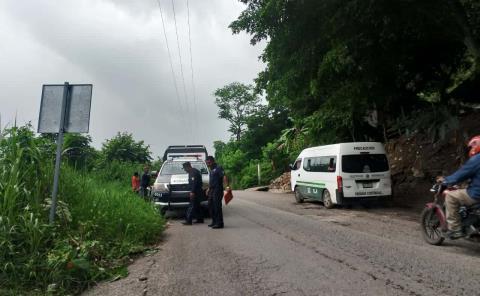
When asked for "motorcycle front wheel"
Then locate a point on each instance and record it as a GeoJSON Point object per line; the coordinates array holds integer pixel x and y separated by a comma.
{"type": "Point", "coordinates": [431, 229]}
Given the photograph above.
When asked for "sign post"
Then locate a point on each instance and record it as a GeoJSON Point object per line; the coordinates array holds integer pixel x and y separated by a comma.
{"type": "Point", "coordinates": [259, 172]}
{"type": "Point", "coordinates": [64, 108]}
{"type": "Point", "coordinates": [58, 158]}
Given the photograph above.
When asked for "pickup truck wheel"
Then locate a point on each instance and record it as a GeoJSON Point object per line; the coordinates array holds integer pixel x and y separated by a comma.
{"type": "Point", "coordinates": [327, 199]}
{"type": "Point", "coordinates": [298, 196]}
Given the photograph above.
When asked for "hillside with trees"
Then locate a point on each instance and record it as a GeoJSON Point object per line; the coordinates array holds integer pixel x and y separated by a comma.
{"type": "Point", "coordinates": [353, 70]}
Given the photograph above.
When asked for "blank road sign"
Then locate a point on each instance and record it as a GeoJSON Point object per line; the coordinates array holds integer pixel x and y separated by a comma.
{"type": "Point", "coordinates": [77, 109]}
{"type": "Point", "coordinates": [50, 109]}
{"type": "Point", "coordinates": [78, 115]}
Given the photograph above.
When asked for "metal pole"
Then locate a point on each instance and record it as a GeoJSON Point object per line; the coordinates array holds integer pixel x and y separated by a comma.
{"type": "Point", "coordinates": [58, 157]}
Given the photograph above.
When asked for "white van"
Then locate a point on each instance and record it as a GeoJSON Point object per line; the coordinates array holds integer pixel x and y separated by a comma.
{"type": "Point", "coordinates": [342, 173]}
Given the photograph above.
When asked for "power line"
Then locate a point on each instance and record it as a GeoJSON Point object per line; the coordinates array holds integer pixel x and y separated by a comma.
{"type": "Point", "coordinates": [170, 59]}
{"type": "Point", "coordinates": [180, 59]}
{"type": "Point", "coordinates": [195, 109]}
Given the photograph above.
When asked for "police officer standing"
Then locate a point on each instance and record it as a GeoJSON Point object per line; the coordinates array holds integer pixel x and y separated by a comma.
{"type": "Point", "coordinates": [215, 192]}
{"type": "Point", "coordinates": [196, 193]}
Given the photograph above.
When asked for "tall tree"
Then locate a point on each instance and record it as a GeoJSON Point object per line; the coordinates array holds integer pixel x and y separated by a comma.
{"type": "Point", "coordinates": [236, 102]}
{"type": "Point", "coordinates": [123, 147]}
{"type": "Point", "coordinates": [263, 126]}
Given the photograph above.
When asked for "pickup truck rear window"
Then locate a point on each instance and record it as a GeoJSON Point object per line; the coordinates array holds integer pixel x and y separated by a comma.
{"type": "Point", "coordinates": [364, 163]}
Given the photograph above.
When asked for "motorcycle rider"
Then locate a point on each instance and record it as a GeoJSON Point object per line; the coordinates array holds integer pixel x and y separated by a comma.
{"type": "Point", "coordinates": [454, 199]}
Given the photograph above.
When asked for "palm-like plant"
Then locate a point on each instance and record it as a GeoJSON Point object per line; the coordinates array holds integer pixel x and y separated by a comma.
{"type": "Point", "coordinates": [293, 137]}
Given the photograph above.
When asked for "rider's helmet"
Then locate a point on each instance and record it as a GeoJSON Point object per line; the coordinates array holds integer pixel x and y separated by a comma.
{"type": "Point", "coordinates": [474, 146]}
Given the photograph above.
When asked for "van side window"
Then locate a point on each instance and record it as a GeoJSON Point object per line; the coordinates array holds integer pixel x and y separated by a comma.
{"type": "Point", "coordinates": [332, 164]}
{"type": "Point", "coordinates": [323, 164]}
{"type": "Point", "coordinates": [307, 164]}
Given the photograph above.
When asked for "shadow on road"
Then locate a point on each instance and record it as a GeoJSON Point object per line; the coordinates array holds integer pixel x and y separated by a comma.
{"type": "Point", "coordinates": [175, 214]}
{"type": "Point", "coordinates": [179, 214]}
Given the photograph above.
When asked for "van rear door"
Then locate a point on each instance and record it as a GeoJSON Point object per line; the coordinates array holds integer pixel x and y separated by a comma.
{"type": "Point", "coordinates": [365, 174]}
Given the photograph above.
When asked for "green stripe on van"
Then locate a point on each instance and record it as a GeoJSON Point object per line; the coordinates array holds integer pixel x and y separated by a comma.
{"type": "Point", "coordinates": [312, 184]}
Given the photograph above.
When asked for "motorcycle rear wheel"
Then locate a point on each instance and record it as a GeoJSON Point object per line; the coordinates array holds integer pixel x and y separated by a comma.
{"type": "Point", "coordinates": [431, 230]}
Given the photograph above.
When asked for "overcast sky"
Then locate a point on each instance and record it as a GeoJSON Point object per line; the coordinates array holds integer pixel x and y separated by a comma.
{"type": "Point", "coordinates": [119, 47]}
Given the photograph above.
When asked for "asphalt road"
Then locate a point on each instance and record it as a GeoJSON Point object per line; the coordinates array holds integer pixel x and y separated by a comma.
{"type": "Point", "coordinates": [272, 246]}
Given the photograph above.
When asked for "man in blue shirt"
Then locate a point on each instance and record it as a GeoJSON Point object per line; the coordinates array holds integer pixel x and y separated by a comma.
{"type": "Point", "coordinates": [463, 197]}
{"type": "Point", "coordinates": [215, 192]}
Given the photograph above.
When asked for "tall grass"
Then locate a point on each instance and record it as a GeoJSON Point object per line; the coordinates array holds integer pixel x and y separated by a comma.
{"type": "Point", "coordinates": [98, 222]}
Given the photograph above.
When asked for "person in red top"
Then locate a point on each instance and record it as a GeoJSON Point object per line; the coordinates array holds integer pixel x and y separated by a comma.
{"type": "Point", "coordinates": [135, 182]}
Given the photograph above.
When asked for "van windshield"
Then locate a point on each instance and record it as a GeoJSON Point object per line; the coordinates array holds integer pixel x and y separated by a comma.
{"type": "Point", "coordinates": [364, 163]}
{"type": "Point", "coordinates": [175, 168]}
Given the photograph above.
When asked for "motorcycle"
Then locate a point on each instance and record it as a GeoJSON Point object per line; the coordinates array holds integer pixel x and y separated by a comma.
{"type": "Point", "coordinates": [434, 222]}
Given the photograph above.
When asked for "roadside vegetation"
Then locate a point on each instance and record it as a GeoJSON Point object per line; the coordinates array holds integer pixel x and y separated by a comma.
{"type": "Point", "coordinates": [99, 221]}
{"type": "Point", "coordinates": [349, 70]}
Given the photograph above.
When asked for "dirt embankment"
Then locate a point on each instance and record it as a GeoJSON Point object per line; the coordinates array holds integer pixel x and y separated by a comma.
{"type": "Point", "coordinates": [415, 160]}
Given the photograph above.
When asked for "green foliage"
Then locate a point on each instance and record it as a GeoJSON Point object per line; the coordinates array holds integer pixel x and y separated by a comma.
{"type": "Point", "coordinates": [24, 172]}
{"type": "Point", "coordinates": [276, 158]}
{"type": "Point", "coordinates": [78, 152]}
{"type": "Point", "coordinates": [98, 222]}
{"type": "Point", "coordinates": [352, 70]}
{"type": "Point", "coordinates": [109, 211]}
{"type": "Point", "coordinates": [263, 127]}
{"type": "Point", "coordinates": [117, 171]}
{"type": "Point", "coordinates": [334, 62]}
{"type": "Point", "coordinates": [249, 174]}
{"type": "Point", "coordinates": [236, 102]}
{"type": "Point", "coordinates": [242, 169]}
{"type": "Point", "coordinates": [231, 158]}
{"type": "Point", "coordinates": [156, 164]}
{"type": "Point", "coordinates": [124, 148]}
{"type": "Point", "coordinates": [293, 139]}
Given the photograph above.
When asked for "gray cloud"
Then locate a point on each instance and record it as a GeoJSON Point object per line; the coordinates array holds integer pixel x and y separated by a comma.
{"type": "Point", "coordinates": [119, 47]}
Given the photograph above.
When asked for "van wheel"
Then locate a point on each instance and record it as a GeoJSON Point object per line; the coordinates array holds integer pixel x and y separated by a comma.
{"type": "Point", "coordinates": [298, 196]}
{"type": "Point", "coordinates": [327, 199]}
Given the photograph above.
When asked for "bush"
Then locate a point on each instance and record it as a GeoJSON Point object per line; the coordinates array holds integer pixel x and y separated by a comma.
{"type": "Point", "coordinates": [116, 171]}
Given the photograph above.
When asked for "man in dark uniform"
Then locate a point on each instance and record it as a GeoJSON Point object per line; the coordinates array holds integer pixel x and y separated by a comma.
{"type": "Point", "coordinates": [196, 192]}
{"type": "Point", "coordinates": [215, 192]}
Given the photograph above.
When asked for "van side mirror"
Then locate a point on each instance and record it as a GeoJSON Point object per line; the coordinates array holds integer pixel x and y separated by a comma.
{"type": "Point", "coordinates": [292, 167]}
